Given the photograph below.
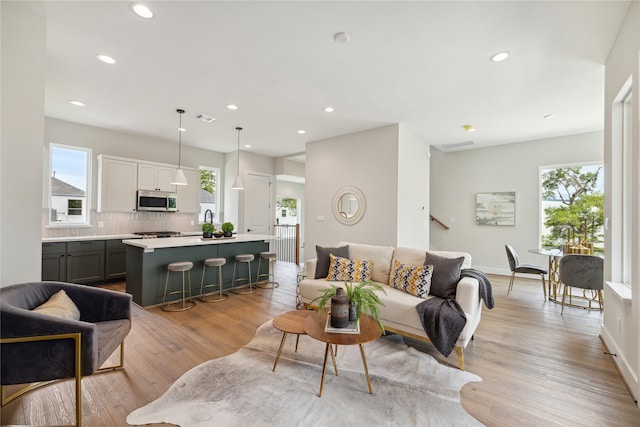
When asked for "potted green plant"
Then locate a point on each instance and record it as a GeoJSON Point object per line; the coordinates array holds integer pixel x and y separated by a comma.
{"type": "Point", "coordinates": [361, 294]}
{"type": "Point", "coordinates": [227, 228]}
{"type": "Point", "coordinates": [207, 230]}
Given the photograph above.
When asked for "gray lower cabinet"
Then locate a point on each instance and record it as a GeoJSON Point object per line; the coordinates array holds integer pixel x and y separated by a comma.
{"type": "Point", "coordinates": [54, 262]}
{"type": "Point", "coordinates": [116, 260]}
{"type": "Point", "coordinates": [90, 261]}
{"type": "Point", "coordinates": [85, 261]}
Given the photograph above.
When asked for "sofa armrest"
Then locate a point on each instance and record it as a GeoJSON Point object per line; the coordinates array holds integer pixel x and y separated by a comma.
{"type": "Point", "coordinates": [468, 294]}
{"type": "Point", "coordinates": [310, 267]}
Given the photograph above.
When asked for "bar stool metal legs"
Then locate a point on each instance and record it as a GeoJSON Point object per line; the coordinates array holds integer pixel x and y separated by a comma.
{"type": "Point", "coordinates": [214, 296]}
{"type": "Point", "coordinates": [270, 283]}
{"type": "Point", "coordinates": [247, 288]}
{"type": "Point", "coordinates": [185, 302]}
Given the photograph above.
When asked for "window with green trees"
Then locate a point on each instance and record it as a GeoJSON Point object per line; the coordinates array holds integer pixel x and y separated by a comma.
{"type": "Point", "coordinates": [572, 206]}
{"type": "Point", "coordinates": [209, 194]}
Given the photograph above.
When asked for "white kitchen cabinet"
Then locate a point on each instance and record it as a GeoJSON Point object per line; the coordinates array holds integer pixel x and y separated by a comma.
{"type": "Point", "coordinates": [189, 195]}
{"type": "Point", "coordinates": [117, 184]}
{"type": "Point", "coordinates": [155, 177]}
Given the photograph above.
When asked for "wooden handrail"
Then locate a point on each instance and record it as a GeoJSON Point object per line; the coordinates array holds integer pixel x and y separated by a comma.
{"type": "Point", "coordinates": [433, 218]}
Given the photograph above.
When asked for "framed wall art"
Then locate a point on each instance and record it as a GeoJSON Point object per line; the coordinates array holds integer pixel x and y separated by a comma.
{"type": "Point", "coordinates": [498, 208]}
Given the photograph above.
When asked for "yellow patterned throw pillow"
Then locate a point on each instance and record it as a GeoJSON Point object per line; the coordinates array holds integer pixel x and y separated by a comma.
{"type": "Point", "coordinates": [414, 280]}
{"type": "Point", "coordinates": [346, 270]}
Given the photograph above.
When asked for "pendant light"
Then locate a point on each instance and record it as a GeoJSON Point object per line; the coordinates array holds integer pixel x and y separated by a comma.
{"type": "Point", "coordinates": [178, 175]}
{"type": "Point", "coordinates": [237, 183]}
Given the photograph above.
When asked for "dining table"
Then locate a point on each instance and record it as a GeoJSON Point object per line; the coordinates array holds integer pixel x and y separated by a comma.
{"type": "Point", "coordinates": [555, 285]}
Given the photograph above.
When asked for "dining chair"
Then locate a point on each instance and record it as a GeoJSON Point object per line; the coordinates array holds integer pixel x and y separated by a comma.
{"type": "Point", "coordinates": [516, 267]}
{"type": "Point", "coordinates": [584, 272]}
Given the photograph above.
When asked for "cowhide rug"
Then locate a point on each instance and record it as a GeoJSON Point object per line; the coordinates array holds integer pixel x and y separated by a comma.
{"type": "Point", "coordinates": [409, 388]}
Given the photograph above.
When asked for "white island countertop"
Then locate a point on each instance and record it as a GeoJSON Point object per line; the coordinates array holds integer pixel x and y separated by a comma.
{"type": "Point", "coordinates": [149, 245]}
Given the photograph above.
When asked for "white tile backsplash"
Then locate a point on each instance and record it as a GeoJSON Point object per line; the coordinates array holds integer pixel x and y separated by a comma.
{"type": "Point", "coordinates": [124, 223]}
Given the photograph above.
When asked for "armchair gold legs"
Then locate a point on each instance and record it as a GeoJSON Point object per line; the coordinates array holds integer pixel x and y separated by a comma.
{"type": "Point", "coordinates": [77, 338]}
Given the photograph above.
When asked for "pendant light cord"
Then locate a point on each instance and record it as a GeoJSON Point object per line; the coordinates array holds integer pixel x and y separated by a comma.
{"type": "Point", "coordinates": [238, 129]}
{"type": "Point", "coordinates": [180, 112]}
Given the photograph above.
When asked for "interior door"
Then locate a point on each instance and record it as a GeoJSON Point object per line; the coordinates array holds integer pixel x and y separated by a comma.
{"type": "Point", "coordinates": [257, 204]}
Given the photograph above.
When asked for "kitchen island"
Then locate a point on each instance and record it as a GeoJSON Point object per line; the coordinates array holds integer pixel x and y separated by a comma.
{"type": "Point", "coordinates": [147, 261]}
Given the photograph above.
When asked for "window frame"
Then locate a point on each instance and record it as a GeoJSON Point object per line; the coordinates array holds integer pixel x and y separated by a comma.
{"type": "Point", "coordinates": [216, 214]}
{"type": "Point", "coordinates": [541, 207]}
{"type": "Point", "coordinates": [88, 180]}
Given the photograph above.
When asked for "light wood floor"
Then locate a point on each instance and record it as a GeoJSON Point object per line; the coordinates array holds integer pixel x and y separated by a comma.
{"type": "Point", "coordinates": [538, 368]}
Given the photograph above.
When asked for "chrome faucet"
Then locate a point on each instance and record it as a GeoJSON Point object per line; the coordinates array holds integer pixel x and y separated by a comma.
{"type": "Point", "coordinates": [205, 215]}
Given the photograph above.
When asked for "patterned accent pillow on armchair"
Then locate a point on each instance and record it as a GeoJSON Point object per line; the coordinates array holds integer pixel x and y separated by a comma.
{"type": "Point", "coordinates": [346, 270]}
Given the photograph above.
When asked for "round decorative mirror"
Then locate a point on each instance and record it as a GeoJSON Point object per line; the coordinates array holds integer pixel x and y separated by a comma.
{"type": "Point", "coordinates": [349, 205]}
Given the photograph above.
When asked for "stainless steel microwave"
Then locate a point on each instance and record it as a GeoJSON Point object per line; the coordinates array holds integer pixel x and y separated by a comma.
{"type": "Point", "coordinates": [157, 201]}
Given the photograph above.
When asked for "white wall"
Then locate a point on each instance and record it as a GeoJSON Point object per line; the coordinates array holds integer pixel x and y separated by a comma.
{"type": "Point", "coordinates": [621, 321]}
{"type": "Point", "coordinates": [22, 135]}
{"type": "Point", "coordinates": [413, 191]}
{"type": "Point", "coordinates": [456, 177]}
{"type": "Point", "coordinates": [235, 200]}
{"type": "Point", "coordinates": [104, 141]}
{"type": "Point", "coordinates": [284, 166]}
{"type": "Point", "coordinates": [367, 160]}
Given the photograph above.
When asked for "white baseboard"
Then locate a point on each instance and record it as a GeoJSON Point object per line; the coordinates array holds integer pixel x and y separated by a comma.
{"type": "Point", "coordinates": [627, 373]}
{"type": "Point", "coordinates": [505, 272]}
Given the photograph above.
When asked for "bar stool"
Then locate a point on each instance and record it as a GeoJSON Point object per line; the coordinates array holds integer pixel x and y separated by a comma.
{"type": "Point", "coordinates": [213, 262]}
{"type": "Point", "coordinates": [242, 289]}
{"type": "Point", "coordinates": [270, 283]}
{"type": "Point", "coordinates": [183, 303]}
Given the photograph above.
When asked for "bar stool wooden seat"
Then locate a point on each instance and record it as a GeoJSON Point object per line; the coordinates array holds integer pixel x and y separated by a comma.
{"type": "Point", "coordinates": [248, 287]}
{"type": "Point", "coordinates": [184, 303]}
{"type": "Point", "coordinates": [270, 282]}
{"type": "Point", "coordinates": [213, 296]}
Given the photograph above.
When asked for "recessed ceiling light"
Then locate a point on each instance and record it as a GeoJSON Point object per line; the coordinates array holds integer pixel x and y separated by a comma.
{"type": "Point", "coordinates": [550, 116]}
{"type": "Point", "coordinates": [247, 146]}
{"type": "Point", "coordinates": [232, 107]}
{"type": "Point", "coordinates": [77, 103]}
{"type": "Point", "coordinates": [141, 10]}
{"type": "Point", "coordinates": [301, 131]}
{"type": "Point", "coordinates": [182, 130]}
{"type": "Point", "coordinates": [328, 109]}
{"type": "Point", "coordinates": [499, 57]}
{"type": "Point", "coordinates": [106, 59]}
{"type": "Point", "coordinates": [341, 37]}
{"type": "Point", "coordinates": [469, 128]}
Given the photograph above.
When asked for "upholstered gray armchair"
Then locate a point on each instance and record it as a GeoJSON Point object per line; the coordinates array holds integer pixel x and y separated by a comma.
{"type": "Point", "coordinates": [39, 347]}
{"type": "Point", "coordinates": [582, 271]}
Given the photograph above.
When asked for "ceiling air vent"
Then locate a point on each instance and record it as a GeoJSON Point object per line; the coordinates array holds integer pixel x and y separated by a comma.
{"type": "Point", "coordinates": [205, 118]}
{"type": "Point", "coordinates": [458, 145]}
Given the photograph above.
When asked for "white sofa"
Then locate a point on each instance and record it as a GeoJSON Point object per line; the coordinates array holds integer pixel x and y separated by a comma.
{"type": "Point", "coordinates": [399, 314]}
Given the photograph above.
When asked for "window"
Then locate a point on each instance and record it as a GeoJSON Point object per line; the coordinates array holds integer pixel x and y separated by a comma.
{"type": "Point", "coordinates": [70, 172]}
{"type": "Point", "coordinates": [74, 207]}
{"type": "Point", "coordinates": [620, 223]}
{"type": "Point", "coordinates": [209, 193]}
{"type": "Point", "coordinates": [572, 205]}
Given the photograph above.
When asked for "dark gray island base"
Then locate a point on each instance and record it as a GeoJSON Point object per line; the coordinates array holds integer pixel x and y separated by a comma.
{"type": "Point", "coordinates": [147, 261]}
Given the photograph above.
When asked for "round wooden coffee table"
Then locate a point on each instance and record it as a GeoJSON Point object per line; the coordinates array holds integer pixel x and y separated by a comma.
{"type": "Point", "coordinates": [369, 331]}
{"type": "Point", "coordinates": [292, 322]}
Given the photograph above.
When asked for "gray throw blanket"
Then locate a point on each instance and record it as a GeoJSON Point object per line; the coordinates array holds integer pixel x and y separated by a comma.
{"type": "Point", "coordinates": [443, 319]}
